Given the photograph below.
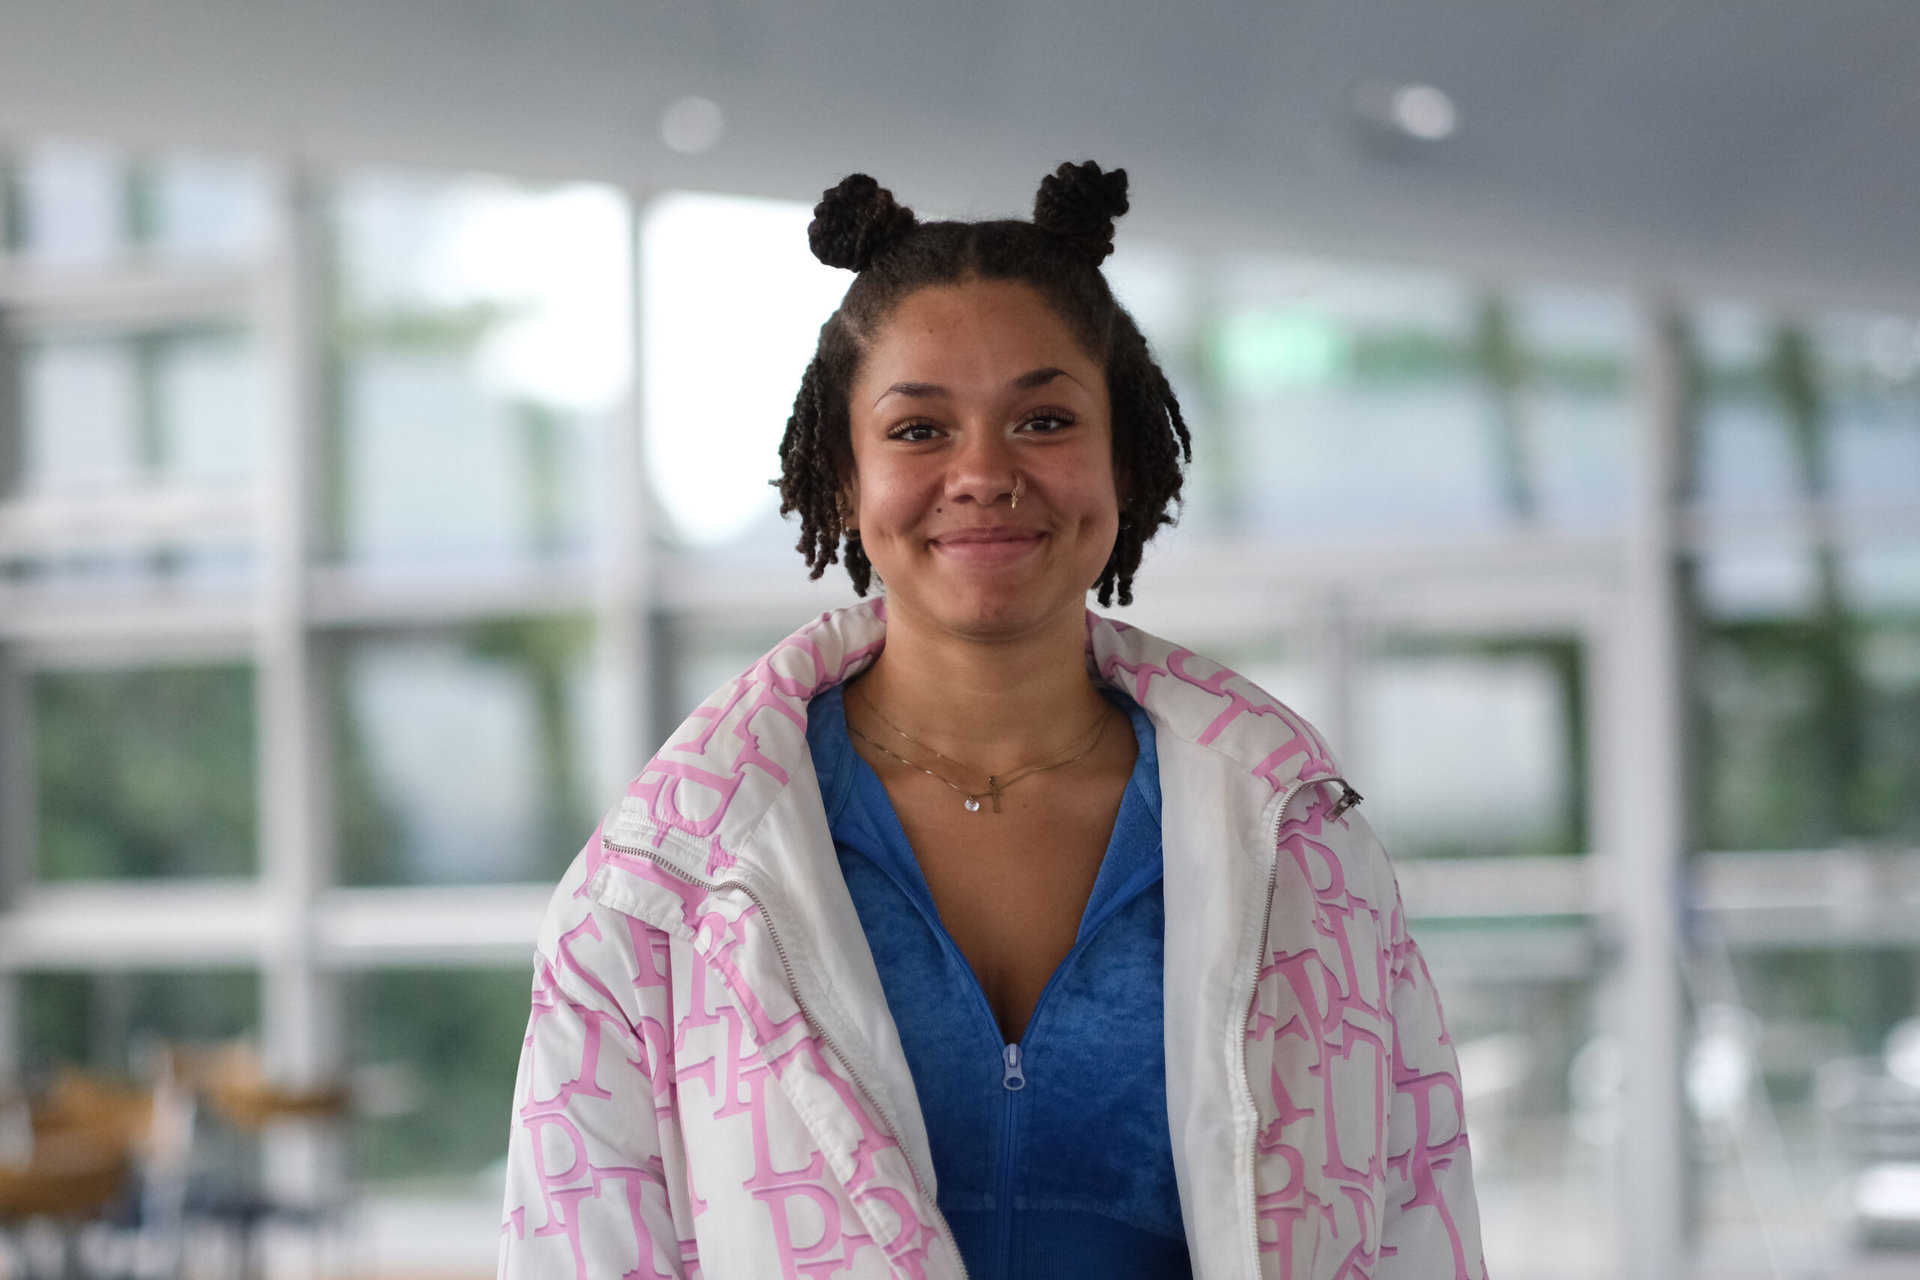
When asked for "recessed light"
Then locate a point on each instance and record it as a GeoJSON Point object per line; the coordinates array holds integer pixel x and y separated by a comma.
{"type": "Point", "coordinates": [1423, 112]}
{"type": "Point", "coordinates": [1404, 111]}
{"type": "Point", "coordinates": [692, 125]}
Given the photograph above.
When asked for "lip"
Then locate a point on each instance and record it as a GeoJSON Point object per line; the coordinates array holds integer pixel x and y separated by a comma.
{"type": "Point", "coordinates": [988, 545]}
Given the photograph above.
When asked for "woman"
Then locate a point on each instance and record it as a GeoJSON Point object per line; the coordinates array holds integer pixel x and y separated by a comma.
{"type": "Point", "coordinates": [968, 932]}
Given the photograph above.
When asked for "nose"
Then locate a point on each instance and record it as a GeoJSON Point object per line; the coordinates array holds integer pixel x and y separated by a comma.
{"type": "Point", "coordinates": [982, 469]}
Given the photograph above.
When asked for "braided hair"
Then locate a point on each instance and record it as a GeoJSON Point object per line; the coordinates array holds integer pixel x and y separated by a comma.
{"type": "Point", "coordinates": [858, 226]}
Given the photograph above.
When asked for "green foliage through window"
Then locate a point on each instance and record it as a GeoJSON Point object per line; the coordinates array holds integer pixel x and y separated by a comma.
{"type": "Point", "coordinates": [145, 773]}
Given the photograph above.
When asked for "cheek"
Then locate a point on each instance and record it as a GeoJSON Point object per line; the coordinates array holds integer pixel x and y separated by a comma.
{"type": "Point", "coordinates": [891, 499]}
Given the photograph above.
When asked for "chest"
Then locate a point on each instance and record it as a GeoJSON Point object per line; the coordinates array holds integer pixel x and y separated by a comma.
{"type": "Point", "coordinates": [1012, 887]}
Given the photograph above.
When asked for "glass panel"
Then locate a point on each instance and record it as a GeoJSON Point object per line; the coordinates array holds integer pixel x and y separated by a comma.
{"type": "Point", "coordinates": [72, 203]}
{"type": "Point", "coordinates": [197, 206]}
{"type": "Point", "coordinates": [1808, 681]}
{"type": "Point", "coordinates": [1520, 789]}
{"type": "Point", "coordinates": [103, 417]}
{"type": "Point", "coordinates": [1794, 408]}
{"type": "Point", "coordinates": [82, 416]}
{"type": "Point", "coordinates": [209, 400]}
{"type": "Point", "coordinates": [1804, 1083]}
{"type": "Point", "coordinates": [1870, 377]}
{"type": "Point", "coordinates": [1369, 402]}
{"type": "Point", "coordinates": [444, 1047]}
{"type": "Point", "coordinates": [1347, 399]}
{"type": "Point", "coordinates": [1570, 399]}
{"type": "Point", "coordinates": [83, 204]}
{"type": "Point", "coordinates": [145, 773]}
{"type": "Point", "coordinates": [1541, 1082]}
{"type": "Point", "coordinates": [1744, 454]}
{"type": "Point", "coordinates": [483, 348]}
{"type": "Point", "coordinates": [463, 757]}
{"type": "Point", "coordinates": [105, 1021]}
{"type": "Point", "coordinates": [106, 413]}
{"type": "Point", "coordinates": [720, 375]}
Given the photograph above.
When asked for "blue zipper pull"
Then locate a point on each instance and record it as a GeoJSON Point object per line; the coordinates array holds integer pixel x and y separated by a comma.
{"type": "Point", "coordinates": [1014, 1078]}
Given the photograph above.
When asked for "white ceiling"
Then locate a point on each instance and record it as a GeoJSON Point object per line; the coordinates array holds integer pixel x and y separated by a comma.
{"type": "Point", "coordinates": [1757, 148]}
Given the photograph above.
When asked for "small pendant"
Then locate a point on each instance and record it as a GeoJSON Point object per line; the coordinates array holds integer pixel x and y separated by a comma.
{"type": "Point", "coordinates": [973, 804]}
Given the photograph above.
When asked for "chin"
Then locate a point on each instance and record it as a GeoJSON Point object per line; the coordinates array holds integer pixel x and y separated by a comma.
{"type": "Point", "coordinates": [988, 614]}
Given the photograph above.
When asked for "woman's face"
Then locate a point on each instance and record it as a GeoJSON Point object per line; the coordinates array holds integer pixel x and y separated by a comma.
{"type": "Point", "coordinates": [966, 389]}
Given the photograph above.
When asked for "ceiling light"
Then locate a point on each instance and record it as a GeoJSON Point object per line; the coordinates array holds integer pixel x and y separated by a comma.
{"type": "Point", "coordinates": [1423, 112]}
{"type": "Point", "coordinates": [692, 125]}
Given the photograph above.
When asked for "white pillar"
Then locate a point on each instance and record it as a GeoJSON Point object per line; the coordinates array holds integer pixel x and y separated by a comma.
{"type": "Point", "coordinates": [17, 835]}
{"type": "Point", "coordinates": [301, 1020]}
{"type": "Point", "coordinates": [1644, 829]}
{"type": "Point", "coordinates": [1342, 652]}
{"type": "Point", "coordinates": [624, 648]}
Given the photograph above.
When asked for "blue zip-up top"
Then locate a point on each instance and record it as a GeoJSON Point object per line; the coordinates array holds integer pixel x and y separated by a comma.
{"type": "Point", "coordinates": [1052, 1156]}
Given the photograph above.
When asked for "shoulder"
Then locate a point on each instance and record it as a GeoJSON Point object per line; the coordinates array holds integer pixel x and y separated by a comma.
{"type": "Point", "coordinates": [1195, 699]}
{"type": "Point", "coordinates": [1261, 746]}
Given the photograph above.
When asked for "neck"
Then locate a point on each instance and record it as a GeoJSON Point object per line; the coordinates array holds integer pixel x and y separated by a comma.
{"type": "Point", "coordinates": [997, 705]}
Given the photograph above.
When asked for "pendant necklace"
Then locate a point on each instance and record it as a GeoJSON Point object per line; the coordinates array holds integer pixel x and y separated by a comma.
{"type": "Point", "coordinates": [995, 783]}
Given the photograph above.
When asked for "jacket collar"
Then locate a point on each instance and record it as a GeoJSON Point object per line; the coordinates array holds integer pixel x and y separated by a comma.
{"type": "Point", "coordinates": [734, 760]}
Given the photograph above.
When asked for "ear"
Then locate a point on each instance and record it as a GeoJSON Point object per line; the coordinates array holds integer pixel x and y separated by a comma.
{"type": "Point", "coordinates": [847, 501]}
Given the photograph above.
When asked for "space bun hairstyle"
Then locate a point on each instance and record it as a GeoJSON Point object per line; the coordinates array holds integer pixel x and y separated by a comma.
{"type": "Point", "coordinates": [858, 226]}
{"type": "Point", "coordinates": [855, 220]}
{"type": "Point", "coordinates": [1076, 205]}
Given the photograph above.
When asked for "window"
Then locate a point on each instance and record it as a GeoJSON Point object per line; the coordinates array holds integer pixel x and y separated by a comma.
{"type": "Point", "coordinates": [482, 353]}
{"type": "Point", "coordinates": [145, 773]}
{"type": "Point", "coordinates": [463, 756]}
{"type": "Point", "coordinates": [442, 1047]}
{"type": "Point", "coordinates": [105, 1022]}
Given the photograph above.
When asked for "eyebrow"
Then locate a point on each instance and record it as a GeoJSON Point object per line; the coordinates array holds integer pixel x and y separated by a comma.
{"type": "Point", "coordinates": [933, 390]}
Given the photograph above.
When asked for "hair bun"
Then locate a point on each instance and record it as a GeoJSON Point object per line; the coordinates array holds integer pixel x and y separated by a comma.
{"type": "Point", "coordinates": [1078, 203]}
{"type": "Point", "coordinates": [855, 221]}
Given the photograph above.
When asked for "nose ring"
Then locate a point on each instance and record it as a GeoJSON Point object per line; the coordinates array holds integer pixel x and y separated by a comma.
{"type": "Point", "coordinates": [1013, 499]}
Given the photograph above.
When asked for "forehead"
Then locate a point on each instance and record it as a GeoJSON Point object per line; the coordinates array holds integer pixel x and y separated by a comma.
{"type": "Point", "coordinates": [985, 330]}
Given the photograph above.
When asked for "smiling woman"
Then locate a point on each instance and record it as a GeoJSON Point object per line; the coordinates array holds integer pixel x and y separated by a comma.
{"type": "Point", "coordinates": [962, 418]}
{"type": "Point", "coordinates": [968, 932]}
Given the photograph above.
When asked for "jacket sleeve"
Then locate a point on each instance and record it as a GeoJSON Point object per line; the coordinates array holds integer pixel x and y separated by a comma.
{"type": "Point", "coordinates": [593, 1147]}
{"type": "Point", "coordinates": [1430, 1222]}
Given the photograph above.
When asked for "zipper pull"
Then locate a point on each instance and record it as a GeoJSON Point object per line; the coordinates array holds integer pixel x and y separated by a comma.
{"type": "Point", "coordinates": [1349, 799]}
{"type": "Point", "coordinates": [1013, 1077]}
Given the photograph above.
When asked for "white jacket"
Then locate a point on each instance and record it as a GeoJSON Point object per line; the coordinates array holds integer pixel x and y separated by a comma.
{"type": "Point", "coordinates": [712, 1085]}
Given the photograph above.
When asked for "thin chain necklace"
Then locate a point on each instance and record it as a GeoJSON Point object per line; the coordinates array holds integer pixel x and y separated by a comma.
{"type": "Point", "coordinates": [995, 783]}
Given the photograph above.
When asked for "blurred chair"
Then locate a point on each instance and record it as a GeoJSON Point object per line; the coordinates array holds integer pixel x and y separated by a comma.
{"type": "Point", "coordinates": [88, 1145]}
{"type": "Point", "coordinates": [235, 1085]}
{"type": "Point", "coordinates": [109, 1180]}
{"type": "Point", "coordinates": [238, 1092]}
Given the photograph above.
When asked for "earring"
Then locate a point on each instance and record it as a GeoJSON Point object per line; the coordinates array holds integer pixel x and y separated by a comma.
{"type": "Point", "coordinates": [1013, 499]}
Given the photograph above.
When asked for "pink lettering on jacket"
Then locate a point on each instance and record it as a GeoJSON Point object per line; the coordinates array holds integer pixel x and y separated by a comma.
{"type": "Point", "coordinates": [1360, 1116]}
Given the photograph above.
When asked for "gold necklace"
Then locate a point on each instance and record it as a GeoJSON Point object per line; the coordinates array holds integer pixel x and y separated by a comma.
{"type": "Point", "coordinates": [995, 783]}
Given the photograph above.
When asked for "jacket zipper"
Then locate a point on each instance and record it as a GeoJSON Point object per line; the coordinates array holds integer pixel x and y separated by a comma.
{"type": "Point", "coordinates": [1013, 1079]}
{"type": "Point", "coordinates": [793, 985]}
{"type": "Point", "coordinates": [1348, 799]}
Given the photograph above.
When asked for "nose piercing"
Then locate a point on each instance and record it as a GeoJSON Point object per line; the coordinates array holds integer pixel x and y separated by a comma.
{"type": "Point", "coordinates": [1013, 499]}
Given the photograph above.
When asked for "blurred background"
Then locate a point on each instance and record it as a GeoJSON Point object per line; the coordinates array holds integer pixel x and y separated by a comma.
{"type": "Point", "coordinates": [387, 399]}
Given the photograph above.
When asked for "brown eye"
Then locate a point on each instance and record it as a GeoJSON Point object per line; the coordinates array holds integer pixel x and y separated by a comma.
{"type": "Point", "coordinates": [913, 432]}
